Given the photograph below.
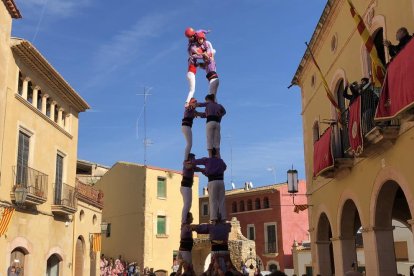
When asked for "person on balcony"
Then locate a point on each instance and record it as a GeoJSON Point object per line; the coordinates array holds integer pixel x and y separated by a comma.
{"type": "Point", "coordinates": [355, 92]}
{"type": "Point", "coordinates": [403, 37]}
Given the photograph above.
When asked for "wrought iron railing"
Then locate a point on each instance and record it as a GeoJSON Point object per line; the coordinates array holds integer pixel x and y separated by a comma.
{"type": "Point", "coordinates": [270, 247]}
{"type": "Point", "coordinates": [64, 195]}
{"type": "Point", "coordinates": [33, 180]}
{"type": "Point", "coordinates": [90, 194]}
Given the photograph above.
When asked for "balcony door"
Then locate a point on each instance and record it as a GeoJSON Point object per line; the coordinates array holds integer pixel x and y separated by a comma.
{"type": "Point", "coordinates": [22, 159]}
{"type": "Point", "coordinates": [271, 242]}
{"type": "Point", "coordinates": [59, 179]}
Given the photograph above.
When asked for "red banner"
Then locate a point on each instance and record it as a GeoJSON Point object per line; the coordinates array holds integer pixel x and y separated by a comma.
{"type": "Point", "coordinates": [322, 153]}
{"type": "Point", "coordinates": [354, 127]}
{"type": "Point", "coordinates": [397, 93]}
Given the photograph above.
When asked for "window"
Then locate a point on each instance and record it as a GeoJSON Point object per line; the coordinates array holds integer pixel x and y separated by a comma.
{"type": "Point", "coordinates": [241, 206]}
{"type": "Point", "coordinates": [30, 92]}
{"type": "Point", "coordinates": [20, 84]}
{"type": "Point", "coordinates": [161, 225]}
{"type": "Point", "coordinates": [53, 264]}
{"type": "Point", "coordinates": [250, 232]}
{"type": "Point", "coordinates": [266, 202]}
{"type": "Point", "coordinates": [257, 204]}
{"type": "Point", "coordinates": [22, 159]}
{"type": "Point", "coordinates": [161, 187]}
{"type": "Point", "coordinates": [234, 207]}
{"type": "Point", "coordinates": [249, 205]}
{"type": "Point", "coordinates": [204, 209]}
{"type": "Point", "coordinates": [108, 230]}
{"type": "Point", "coordinates": [270, 238]}
{"type": "Point", "coordinates": [59, 179]}
{"type": "Point", "coordinates": [17, 259]}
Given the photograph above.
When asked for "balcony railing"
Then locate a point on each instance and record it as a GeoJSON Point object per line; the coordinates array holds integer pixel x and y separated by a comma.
{"type": "Point", "coordinates": [89, 194]}
{"type": "Point", "coordinates": [34, 181]}
{"type": "Point", "coordinates": [64, 199]}
{"type": "Point", "coordinates": [270, 247]}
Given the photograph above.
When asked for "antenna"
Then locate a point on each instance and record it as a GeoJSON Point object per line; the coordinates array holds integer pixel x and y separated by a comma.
{"type": "Point", "coordinates": [146, 141]}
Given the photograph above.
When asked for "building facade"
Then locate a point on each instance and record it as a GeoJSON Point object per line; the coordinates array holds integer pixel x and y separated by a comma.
{"type": "Point", "coordinates": [48, 232]}
{"type": "Point", "coordinates": [267, 216]}
{"type": "Point", "coordinates": [143, 211]}
{"type": "Point", "coordinates": [362, 193]}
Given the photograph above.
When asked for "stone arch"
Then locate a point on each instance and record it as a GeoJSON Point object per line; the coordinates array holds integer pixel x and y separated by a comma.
{"type": "Point", "coordinates": [58, 251]}
{"type": "Point", "coordinates": [272, 265]}
{"type": "Point", "coordinates": [384, 175]}
{"type": "Point", "coordinates": [23, 244]}
{"type": "Point", "coordinates": [324, 245]}
{"type": "Point", "coordinates": [54, 265]}
{"type": "Point", "coordinates": [350, 195]}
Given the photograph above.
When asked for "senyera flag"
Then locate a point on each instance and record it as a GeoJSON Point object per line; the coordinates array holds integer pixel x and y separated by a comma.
{"type": "Point", "coordinates": [356, 140]}
{"type": "Point", "coordinates": [397, 93]}
{"type": "Point", "coordinates": [322, 153]}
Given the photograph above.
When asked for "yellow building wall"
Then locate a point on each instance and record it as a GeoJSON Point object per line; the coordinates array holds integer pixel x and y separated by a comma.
{"type": "Point", "coordinates": [132, 207]}
{"type": "Point", "coordinates": [360, 184]}
{"type": "Point", "coordinates": [84, 225]}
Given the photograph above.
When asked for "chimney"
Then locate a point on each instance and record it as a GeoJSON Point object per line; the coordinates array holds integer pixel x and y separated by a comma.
{"type": "Point", "coordinates": [205, 191]}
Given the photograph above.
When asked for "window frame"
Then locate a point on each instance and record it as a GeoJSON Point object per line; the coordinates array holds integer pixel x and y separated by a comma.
{"type": "Point", "coordinates": [248, 227]}
{"type": "Point", "coordinates": [165, 225]}
{"type": "Point", "coordinates": [266, 224]}
{"type": "Point", "coordinates": [164, 196]}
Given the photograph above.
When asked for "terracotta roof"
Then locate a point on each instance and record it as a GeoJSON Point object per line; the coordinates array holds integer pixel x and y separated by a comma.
{"type": "Point", "coordinates": [315, 36]}
{"type": "Point", "coordinates": [38, 63]}
{"type": "Point", "coordinates": [12, 8]}
{"type": "Point", "coordinates": [252, 190]}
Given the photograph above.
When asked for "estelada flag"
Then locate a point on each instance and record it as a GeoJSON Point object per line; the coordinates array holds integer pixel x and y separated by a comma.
{"type": "Point", "coordinates": [96, 242]}
{"type": "Point", "coordinates": [322, 153]}
{"type": "Point", "coordinates": [5, 219]}
{"type": "Point", "coordinates": [354, 128]}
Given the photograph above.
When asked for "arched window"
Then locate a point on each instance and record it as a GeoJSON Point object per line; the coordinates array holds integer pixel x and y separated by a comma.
{"type": "Point", "coordinates": [241, 206]}
{"type": "Point", "coordinates": [257, 204]}
{"type": "Point", "coordinates": [315, 130]}
{"type": "Point", "coordinates": [17, 259]}
{"type": "Point", "coordinates": [79, 256]}
{"type": "Point", "coordinates": [53, 265]}
{"type": "Point", "coordinates": [266, 202]}
{"type": "Point", "coordinates": [234, 207]}
{"type": "Point", "coordinates": [249, 205]}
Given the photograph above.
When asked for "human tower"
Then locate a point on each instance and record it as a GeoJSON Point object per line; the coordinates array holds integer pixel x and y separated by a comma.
{"type": "Point", "coordinates": [201, 56]}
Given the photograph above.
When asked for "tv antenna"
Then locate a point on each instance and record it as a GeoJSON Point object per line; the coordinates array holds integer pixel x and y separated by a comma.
{"type": "Point", "coordinates": [146, 141]}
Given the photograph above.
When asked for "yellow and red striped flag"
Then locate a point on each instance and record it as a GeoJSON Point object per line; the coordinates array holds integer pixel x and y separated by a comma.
{"type": "Point", "coordinates": [378, 69]}
{"type": "Point", "coordinates": [300, 207]}
{"type": "Point", "coordinates": [325, 85]}
{"type": "Point", "coordinates": [5, 219]}
{"type": "Point", "coordinates": [96, 242]}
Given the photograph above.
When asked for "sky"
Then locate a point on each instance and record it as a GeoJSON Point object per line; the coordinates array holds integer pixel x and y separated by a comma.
{"type": "Point", "coordinates": [110, 51]}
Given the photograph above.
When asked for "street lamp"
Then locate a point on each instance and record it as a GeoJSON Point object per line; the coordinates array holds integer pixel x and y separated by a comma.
{"type": "Point", "coordinates": [104, 228]}
{"type": "Point", "coordinates": [292, 180]}
{"type": "Point", "coordinates": [20, 194]}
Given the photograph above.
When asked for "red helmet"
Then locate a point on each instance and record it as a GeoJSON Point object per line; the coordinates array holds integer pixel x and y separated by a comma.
{"type": "Point", "coordinates": [200, 35]}
{"type": "Point", "coordinates": [189, 32]}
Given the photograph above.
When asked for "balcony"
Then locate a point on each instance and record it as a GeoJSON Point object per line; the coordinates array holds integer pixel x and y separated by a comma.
{"type": "Point", "coordinates": [34, 182]}
{"type": "Point", "coordinates": [270, 248]}
{"type": "Point", "coordinates": [64, 202]}
{"type": "Point", "coordinates": [88, 194]}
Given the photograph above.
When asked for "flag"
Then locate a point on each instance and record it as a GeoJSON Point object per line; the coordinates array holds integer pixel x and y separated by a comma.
{"type": "Point", "coordinates": [5, 219]}
{"type": "Point", "coordinates": [96, 242]}
{"type": "Point", "coordinates": [378, 69]}
{"type": "Point", "coordinates": [354, 129]}
{"type": "Point", "coordinates": [322, 153]}
{"type": "Point", "coordinates": [325, 85]}
{"type": "Point", "coordinates": [300, 207]}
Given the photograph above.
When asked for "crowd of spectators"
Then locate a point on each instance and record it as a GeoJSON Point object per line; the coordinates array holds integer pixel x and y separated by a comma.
{"type": "Point", "coordinates": [118, 267]}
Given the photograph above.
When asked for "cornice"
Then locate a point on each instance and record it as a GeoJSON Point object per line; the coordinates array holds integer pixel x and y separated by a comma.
{"type": "Point", "coordinates": [12, 9]}
{"type": "Point", "coordinates": [32, 57]}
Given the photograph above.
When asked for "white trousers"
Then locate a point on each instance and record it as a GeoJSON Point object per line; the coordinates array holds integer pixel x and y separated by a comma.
{"type": "Point", "coordinates": [213, 86]}
{"type": "Point", "coordinates": [186, 256]}
{"type": "Point", "coordinates": [188, 135]}
{"type": "Point", "coordinates": [213, 135]}
{"type": "Point", "coordinates": [191, 85]}
{"type": "Point", "coordinates": [216, 199]}
{"type": "Point", "coordinates": [187, 195]}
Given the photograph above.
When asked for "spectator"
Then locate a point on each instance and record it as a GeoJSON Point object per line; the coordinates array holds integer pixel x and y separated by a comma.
{"type": "Point", "coordinates": [403, 37]}
{"type": "Point", "coordinates": [12, 271]}
{"type": "Point", "coordinates": [277, 273]}
{"type": "Point", "coordinates": [355, 92]}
